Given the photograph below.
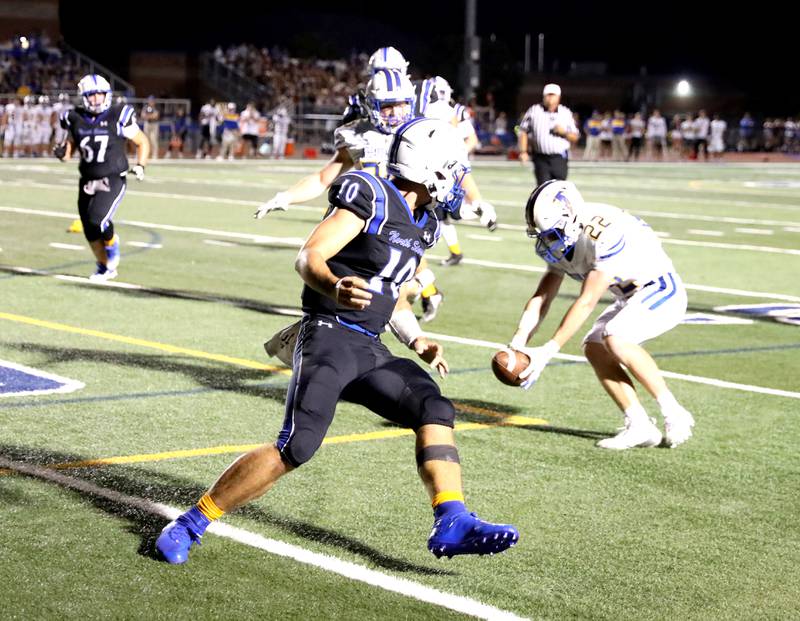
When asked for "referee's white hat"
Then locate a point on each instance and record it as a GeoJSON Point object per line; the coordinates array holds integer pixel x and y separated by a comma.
{"type": "Point", "coordinates": [552, 89]}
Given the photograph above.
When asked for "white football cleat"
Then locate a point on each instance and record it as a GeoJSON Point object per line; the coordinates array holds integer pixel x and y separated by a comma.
{"type": "Point", "coordinates": [430, 306]}
{"type": "Point", "coordinates": [642, 433]}
{"type": "Point", "coordinates": [678, 425]}
{"type": "Point", "coordinates": [103, 274]}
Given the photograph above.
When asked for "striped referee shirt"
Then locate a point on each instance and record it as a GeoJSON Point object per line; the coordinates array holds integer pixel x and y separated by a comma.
{"type": "Point", "coordinates": [538, 124]}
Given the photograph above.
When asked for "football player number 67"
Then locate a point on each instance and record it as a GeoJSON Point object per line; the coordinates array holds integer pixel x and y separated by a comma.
{"type": "Point", "coordinates": [88, 153]}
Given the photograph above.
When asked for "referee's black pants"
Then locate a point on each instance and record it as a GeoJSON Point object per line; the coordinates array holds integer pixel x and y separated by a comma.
{"type": "Point", "coordinates": [547, 166]}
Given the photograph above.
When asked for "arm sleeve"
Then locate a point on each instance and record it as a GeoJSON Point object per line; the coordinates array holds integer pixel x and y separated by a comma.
{"type": "Point", "coordinates": [127, 125]}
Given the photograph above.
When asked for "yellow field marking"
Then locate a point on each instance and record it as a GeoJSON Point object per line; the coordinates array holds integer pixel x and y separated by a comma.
{"type": "Point", "coordinates": [243, 448]}
{"type": "Point", "coordinates": [503, 418]}
{"type": "Point", "coordinates": [172, 349]}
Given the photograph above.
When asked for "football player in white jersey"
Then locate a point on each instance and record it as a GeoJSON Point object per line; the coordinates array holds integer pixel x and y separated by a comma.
{"type": "Point", "coordinates": [44, 126]}
{"type": "Point", "coordinates": [364, 144]}
{"type": "Point", "coordinates": [606, 249]}
{"type": "Point", "coordinates": [433, 102]}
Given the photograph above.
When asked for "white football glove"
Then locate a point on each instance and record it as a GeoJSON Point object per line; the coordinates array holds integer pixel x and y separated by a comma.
{"type": "Point", "coordinates": [279, 202]}
{"type": "Point", "coordinates": [487, 214]}
{"type": "Point", "coordinates": [539, 356]}
{"type": "Point", "coordinates": [138, 172]}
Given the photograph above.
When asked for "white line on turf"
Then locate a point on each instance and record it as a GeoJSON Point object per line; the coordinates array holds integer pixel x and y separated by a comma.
{"type": "Point", "coordinates": [61, 246]}
{"type": "Point", "coordinates": [216, 242]}
{"type": "Point", "coordinates": [709, 381]}
{"type": "Point", "coordinates": [347, 569]}
{"type": "Point", "coordinates": [491, 238]}
{"type": "Point", "coordinates": [751, 231]}
{"type": "Point", "coordinates": [705, 232]}
{"type": "Point", "coordinates": [297, 242]}
{"type": "Point", "coordinates": [138, 244]}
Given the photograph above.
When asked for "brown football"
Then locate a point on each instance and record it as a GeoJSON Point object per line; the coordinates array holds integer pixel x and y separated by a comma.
{"type": "Point", "coordinates": [507, 364]}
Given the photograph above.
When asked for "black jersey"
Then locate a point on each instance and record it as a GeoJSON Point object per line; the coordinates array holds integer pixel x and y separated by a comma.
{"type": "Point", "coordinates": [385, 254]}
{"type": "Point", "coordinates": [101, 139]}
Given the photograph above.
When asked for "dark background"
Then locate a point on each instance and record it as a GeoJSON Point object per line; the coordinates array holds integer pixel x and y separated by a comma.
{"type": "Point", "coordinates": [749, 48]}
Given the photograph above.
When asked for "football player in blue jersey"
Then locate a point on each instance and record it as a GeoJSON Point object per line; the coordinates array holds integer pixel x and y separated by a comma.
{"type": "Point", "coordinates": [100, 130]}
{"type": "Point", "coordinates": [352, 266]}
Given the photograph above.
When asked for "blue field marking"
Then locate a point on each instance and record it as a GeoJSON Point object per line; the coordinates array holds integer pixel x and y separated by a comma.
{"type": "Point", "coordinates": [17, 380]}
{"type": "Point", "coordinates": [135, 396]}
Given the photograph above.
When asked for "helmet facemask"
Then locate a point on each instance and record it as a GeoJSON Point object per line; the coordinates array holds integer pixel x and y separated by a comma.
{"type": "Point", "coordinates": [90, 85]}
{"type": "Point", "coordinates": [387, 90]}
{"type": "Point", "coordinates": [553, 220]}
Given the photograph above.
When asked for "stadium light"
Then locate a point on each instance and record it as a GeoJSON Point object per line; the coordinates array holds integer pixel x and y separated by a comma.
{"type": "Point", "coordinates": [683, 88]}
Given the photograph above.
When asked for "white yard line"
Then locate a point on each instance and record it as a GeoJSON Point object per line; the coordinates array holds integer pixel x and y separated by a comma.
{"type": "Point", "coordinates": [297, 242]}
{"type": "Point", "coordinates": [347, 569]}
{"type": "Point", "coordinates": [751, 231]}
{"type": "Point", "coordinates": [705, 232]}
{"type": "Point", "coordinates": [695, 379]}
{"type": "Point", "coordinates": [137, 244]}
{"type": "Point", "coordinates": [61, 246]}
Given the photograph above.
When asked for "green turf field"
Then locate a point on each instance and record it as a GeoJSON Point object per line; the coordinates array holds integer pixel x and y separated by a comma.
{"type": "Point", "coordinates": [177, 385]}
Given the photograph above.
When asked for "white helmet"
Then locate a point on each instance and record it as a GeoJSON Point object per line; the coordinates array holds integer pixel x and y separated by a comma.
{"type": "Point", "coordinates": [93, 83]}
{"type": "Point", "coordinates": [386, 87]}
{"type": "Point", "coordinates": [387, 58]}
{"type": "Point", "coordinates": [44, 100]}
{"type": "Point", "coordinates": [442, 88]}
{"type": "Point", "coordinates": [552, 214]}
{"type": "Point", "coordinates": [430, 152]}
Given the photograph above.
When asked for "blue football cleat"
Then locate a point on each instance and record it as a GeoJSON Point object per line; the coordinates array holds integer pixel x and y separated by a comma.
{"type": "Point", "coordinates": [176, 539]}
{"type": "Point", "coordinates": [464, 533]}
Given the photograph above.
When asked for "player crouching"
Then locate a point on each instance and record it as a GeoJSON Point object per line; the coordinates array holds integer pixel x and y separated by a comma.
{"type": "Point", "coordinates": [606, 249]}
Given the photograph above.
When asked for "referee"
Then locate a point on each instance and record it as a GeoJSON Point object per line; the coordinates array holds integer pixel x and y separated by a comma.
{"type": "Point", "coordinates": [552, 131]}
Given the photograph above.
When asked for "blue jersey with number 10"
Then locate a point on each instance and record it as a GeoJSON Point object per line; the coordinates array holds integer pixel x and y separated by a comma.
{"type": "Point", "coordinates": [386, 253]}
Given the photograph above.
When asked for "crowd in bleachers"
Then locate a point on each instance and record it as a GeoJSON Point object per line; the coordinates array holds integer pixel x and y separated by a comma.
{"type": "Point", "coordinates": [323, 85]}
{"type": "Point", "coordinates": [33, 64]}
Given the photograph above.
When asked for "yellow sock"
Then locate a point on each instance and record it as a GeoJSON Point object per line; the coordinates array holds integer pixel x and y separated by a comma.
{"type": "Point", "coordinates": [446, 497]}
{"type": "Point", "coordinates": [111, 241]}
{"type": "Point", "coordinates": [429, 291]}
{"type": "Point", "coordinates": [209, 508]}
{"type": "Point", "coordinates": [455, 248]}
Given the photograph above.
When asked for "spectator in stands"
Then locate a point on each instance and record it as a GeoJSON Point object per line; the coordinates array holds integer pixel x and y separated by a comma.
{"type": "Point", "coordinates": [676, 137]}
{"type": "Point", "coordinates": [701, 126]}
{"type": "Point", "coordinates": [248, 123]}
{"type": "Point", "coordinates": [230, 132]}
{"type": "Point", "coordinates": [618, 126]}
{"type": "Point", "coordinates": [606, 136]}
{"type": "Point", "coordinates": [656, 135]}
{"type": "Point", "coordinates": [179, 129]}
{"type": "Point", "coordinates": [790, 135]}
{"type": "Point", "coordinates": [150, 120]}
{"type": "Point", "coordinates": [209, 119]}
{"type": "Point", "coordinates": [687, 132]}
{"type": "Point", "coordinates": [592, 128]}
{"type": "Point", "coordinates": [768, 134]}
{"type": "Point", "coordinates": [716, 145]}
{"type": "Point", "coordinates": [746, 133]}
{"type": "Point", "coordinates": [636, 132]}
{"type": "Point", "coordinates": [280, 131]}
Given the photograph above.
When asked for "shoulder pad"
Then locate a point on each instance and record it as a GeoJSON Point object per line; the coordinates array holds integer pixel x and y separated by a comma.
{"type": "Point", "coordinates": [363, 194]}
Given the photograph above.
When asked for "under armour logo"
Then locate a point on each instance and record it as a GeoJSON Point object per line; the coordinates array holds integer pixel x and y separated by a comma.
{"type": "Point", "coordinates": [426, 235]}
{"type": "Point", "coordinates": [324, 323]}
{"type": "Point", "coordinates": [103, 123]}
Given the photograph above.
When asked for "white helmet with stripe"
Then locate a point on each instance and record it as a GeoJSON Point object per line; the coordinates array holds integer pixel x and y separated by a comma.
{"type": "Point", "coordinates": [387, 58]}
{"type": "Point", "coordinates": [430, 152]}
{"type": "Point", "coordinates": [552, 214]}
{"type": "Point", "coordinates": [389, 99]}
{"type": "Point", "coordinates": [91, 84]}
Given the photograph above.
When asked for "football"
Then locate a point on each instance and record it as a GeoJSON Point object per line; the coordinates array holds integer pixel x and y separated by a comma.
{"type": "Point", "coordinates": [507, 364]}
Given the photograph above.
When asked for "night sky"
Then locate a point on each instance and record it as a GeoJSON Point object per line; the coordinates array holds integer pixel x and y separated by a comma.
{"type": "Point", "coordinates": [756, 55]}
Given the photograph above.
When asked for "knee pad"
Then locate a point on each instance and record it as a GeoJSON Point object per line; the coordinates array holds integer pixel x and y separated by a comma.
{"type": "Point", "coordinates": [91, 231]}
